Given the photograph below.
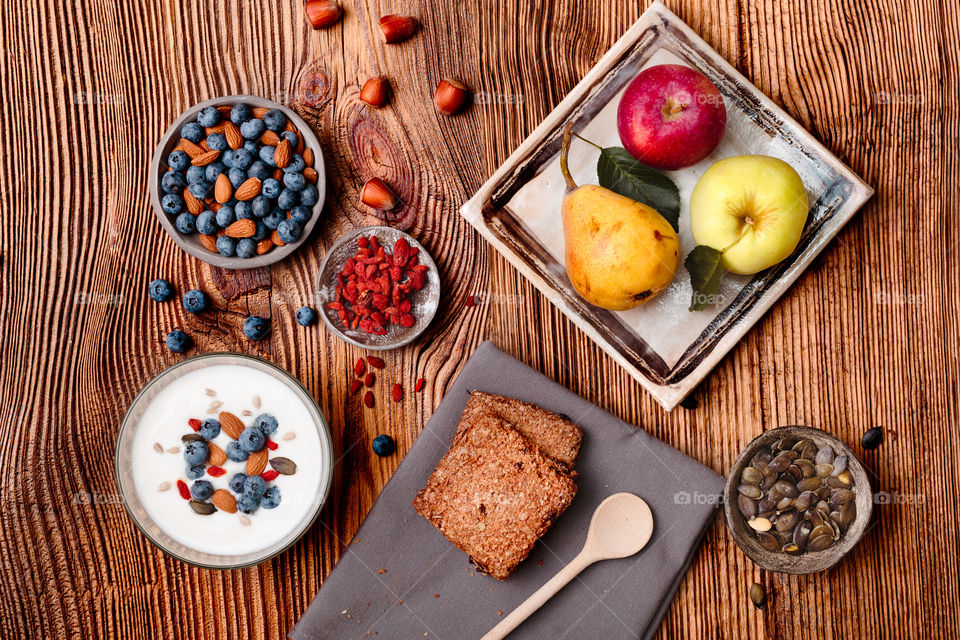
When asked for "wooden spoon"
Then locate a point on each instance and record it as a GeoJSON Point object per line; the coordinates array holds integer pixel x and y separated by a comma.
{"type": "Point", "coordinates": [621, 526]}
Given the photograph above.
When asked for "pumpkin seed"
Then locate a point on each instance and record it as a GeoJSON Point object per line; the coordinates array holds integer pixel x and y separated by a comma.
{"type": "Point", "coordinates": [751, 476]}
{"type": "Point", "coordinates": [839, 465]}
{"type": "Point", "coordinates": [202, 508]}
{"type": "Point", "coordinates": [760, 524]}
{"type": "Point", "coordinates": [748, 490]}
{"type": "Point", "coordinates": [288, 467]}
{"type": "Point", "coordinates": [758, 596]}
{"type": "Point", "coordinates": [786, 489]}
{"type": "Point", "coordinates": [804, 500]}
{"type": "Point", "coordinates": [872, 439]}
{"type": "Point", "coordinates": [747, 506]}
{"type": "Point", "coordinates": [191, 437]}
{"type": "Point", "coordinates": [823, 470]}
{"type": "Point", "coordinates": [820, 543]}
{"type": "Point", "coordinates": [780, 463]}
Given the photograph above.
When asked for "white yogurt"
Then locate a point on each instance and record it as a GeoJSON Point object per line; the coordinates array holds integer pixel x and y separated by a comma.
{"type": "Point", "coordinates": [165, 420]}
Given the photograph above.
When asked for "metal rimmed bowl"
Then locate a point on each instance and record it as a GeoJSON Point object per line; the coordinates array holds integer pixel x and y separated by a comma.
{"type": "Point", "coordinates": [144, 517]}
{"type": "Point", "coordinates": [191, 243]}
{"type": "Point", "coordinates": [810, 561]}
{"type": "Point", "coordinates": [425, 301]}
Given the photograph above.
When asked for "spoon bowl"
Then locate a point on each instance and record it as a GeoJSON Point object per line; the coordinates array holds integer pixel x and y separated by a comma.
{"type": "Point", "coordinates": [621, 526]}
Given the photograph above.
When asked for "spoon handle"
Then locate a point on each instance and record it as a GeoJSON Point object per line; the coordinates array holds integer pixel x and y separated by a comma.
{"type": "Point", "coordinates": [539, 597]}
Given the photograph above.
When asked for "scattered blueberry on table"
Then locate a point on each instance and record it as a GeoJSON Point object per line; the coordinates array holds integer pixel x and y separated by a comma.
{"type": "Point", "coordinates": [383, 445]}
{"type": "Point", "coordinates": [160, 290]}
{"type": "Point", "coordinates": [195, 301]}
{"type": "Point", "coordinates": [178, 341]}
{"type": "Point", "coordinates": [255, 327]}
{"type": "Point", "coordinates": [306, 316]}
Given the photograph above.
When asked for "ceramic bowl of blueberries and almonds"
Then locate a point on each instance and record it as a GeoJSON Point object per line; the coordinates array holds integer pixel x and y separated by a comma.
{"type": "Point", "coordinates": [238, 182]}
{"type": "Point", "coordinates": [797, 500]}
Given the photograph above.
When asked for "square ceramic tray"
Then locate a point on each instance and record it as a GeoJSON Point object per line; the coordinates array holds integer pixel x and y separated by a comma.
{"type": "Point", "coordinates": [667, 348]}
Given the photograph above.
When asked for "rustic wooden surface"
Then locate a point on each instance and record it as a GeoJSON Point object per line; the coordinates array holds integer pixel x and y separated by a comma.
{"type": "Point", "coordinates": [868, 336]}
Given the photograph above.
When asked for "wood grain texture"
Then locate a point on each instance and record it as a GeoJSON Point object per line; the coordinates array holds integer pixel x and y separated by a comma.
{"type": "Point", "coordinates": [868, 336]}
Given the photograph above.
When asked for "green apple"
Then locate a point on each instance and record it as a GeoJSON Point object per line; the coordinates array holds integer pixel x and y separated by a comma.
{"type": "Point", "coordinates": [752, 208]}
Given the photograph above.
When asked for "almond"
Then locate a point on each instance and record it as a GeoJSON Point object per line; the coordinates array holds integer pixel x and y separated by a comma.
{"type": "Point", "coordinates": [244, 228]}
{"type": "Point", "coordinates": [264, 246]}
{"type": "Point", "coordinates": [232, 133]}
{"type": "Point", "coordinates": [217, 455]}
{"type": "Point", "coordinates": [281, 156]}
{"type": "Point", "coordinates": [310, 174]}
{"type": "Point", "coordinates": [259, 112]}
{"type": "Point", "coordinates": [225, 109]}
{"type": "Point", "coordinates": [308, 157]}
{"type": "Point", "coordinates": [224, 500]}
{"type": "Point", "coordinates": [222, 190]}
{"type": "Point", "coordinates": [190, 148]}
{"type": "Point", "coordinates": [257, 462]}
{"type": "Point", "coordinates": [206, 158]}
{"type": "Point", "coordinates": [217, 128]}
{"type": "Point", "coordinates": [278, 175]}
{"type": "Point", "coordinates": [275, 238]}
{"type": "Point", "coordinates": [194, 206]}
{"type": "Point", "coordinates": [299, 148]}
{"type": "Point", "coordinates": [270, 138]}
{"type": "Point", "coordinates": [209, 242]}
{"type": "Point", "coordinates": [249, 190]}
{"type": "Point", "coordinates": [231, 424]}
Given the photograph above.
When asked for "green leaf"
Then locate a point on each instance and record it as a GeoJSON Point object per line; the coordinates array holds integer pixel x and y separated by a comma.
{"type": "Point", "coordinates": [620, 172]}
{"type": "Point", "coordinates": [703, 263]}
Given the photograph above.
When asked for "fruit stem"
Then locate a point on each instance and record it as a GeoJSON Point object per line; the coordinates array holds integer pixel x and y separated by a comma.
{"type": "Point", "coordinates": [590, 142]}
{"type": "Point", "coordinates": [564, 151]}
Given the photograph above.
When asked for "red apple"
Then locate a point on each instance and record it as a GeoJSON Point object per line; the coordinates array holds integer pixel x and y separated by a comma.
{"type": "Point", "coordinates": [671, 117]}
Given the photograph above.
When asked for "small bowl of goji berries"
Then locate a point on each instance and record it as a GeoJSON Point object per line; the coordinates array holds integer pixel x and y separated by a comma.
{"type": "Point", "coordinates": [378, 288]}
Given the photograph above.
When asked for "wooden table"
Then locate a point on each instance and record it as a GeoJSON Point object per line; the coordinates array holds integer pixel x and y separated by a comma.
{"type": "Point", "coordinates": [867, 337]}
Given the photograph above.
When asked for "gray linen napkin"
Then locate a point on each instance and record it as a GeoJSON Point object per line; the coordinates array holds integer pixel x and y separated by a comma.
{"type": "Point", "coordinates": [401, 579]}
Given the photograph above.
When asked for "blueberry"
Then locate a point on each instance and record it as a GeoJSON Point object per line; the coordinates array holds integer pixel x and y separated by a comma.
{"type": "Point", "coordinates": [273, 219]}
{"type": "Point", "coordinates": [235, 453]}
{"type": "Point", "coordinates": [226, 216]}
{"type": "Point", "coordinates": [289, 231]}
{"type": "Point", "coordinates": [195, 174]}
{"type": "Point", "coordinates": [261, 206]}
{"type": "Point", "coordinates": [251, 146]}
{"type": "Point", "coordinates": [271, 188]}
{"type": "Point", "coordinates": [160, 290]}
{"type": "Point", "coordinates": [207, 222]}
{"type": "Point", "coordinates": [172, 204]}
{"type": "Point", "coordinates": [383, 445]}
{"type": "Point", "coordinates": [208, 117]}
{"type": "Point", "coordinates": [288, 199]}
{"type": "Point", "coordinates": [248, 503]}
{"type": "Point", "coordinates": [195, 301]}
{"type": "Point", "coordinates": [255, 327]}
{"type": "Point", "coordinates": [227, 158]}
{"type": "Point", "coordinates": [266, 154]}
{"type": "Point", "coordinates": [226, 246]}
{"type": "Point", "coordinates": [259, 170]}
{"type": "Point", "coordinates": [200, 189]}
{"type": "Point", "coordinates": [243, 158]}
{"type": "Point", "coordinates": [213, 170]}
{"type": "Point", "coordinates": [252, 439]}
{"type": "Point", "coordinates": [255, 486]}
{"type": "Point", "coordinates": [217, 142]}
{"type": "Point", "coordinates": [236, 482]}
{"type": "Point", "coordinates": [192, 132]}
{"type": "Point", "coordinates": [178, 341]}
{"type": "Point", "coordinates": [301, 214]}
{"type": "Point", "coordinates": [195, 471]}
{"type": "Point", "coordinates": [240, 113]}
{"type": "Point", "coordinates": [296, 164]}
{"type": "Point", "coordinates": [252, 129]}
{"type": "Point", "coordinates": [243, 210]}
{"type": "Point", "coordinates": [294, 181]}
{"type": "Point", "coordinates": [309, 196]}
{"type": "Point", "coordinates": [267, 424]}
{"type": "Point", "coordinates": [210, 429]}
{"type": "Point", "coordinates": [271, 498]}
{"type": "Point", "coordinates": [306, 316]}
{"type": "Point", "coordinates": [195, 452]}
{"type": "Point", "coordinates": [173, 182]}
{"type": "Point", "coordinates": [186, 222]}
{"type": "Point", "coordinates": [237, 177]}
{"type": "Point", "coordinates": [201, 489]}
{"type": "Point", "coordinates": [275, 120]}
{"type": "Point", "coordinates": [262, 232]}
{"type": "Point", "coordinates": [246, 248]}
{"type": "Point", "coordinates": [178, 160]}
{"type": "Point", "coordinates": [291, 137]}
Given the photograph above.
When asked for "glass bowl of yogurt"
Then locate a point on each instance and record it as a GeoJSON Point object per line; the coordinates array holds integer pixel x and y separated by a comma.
{"type": "Point", "coordinates": [224, 460]}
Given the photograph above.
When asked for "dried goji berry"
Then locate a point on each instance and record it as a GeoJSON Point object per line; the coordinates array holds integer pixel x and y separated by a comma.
{"type": "Point", "coordinates": [355, 386]}
{"type": "Point", "coordinates": [216, 472]}
{"type": "Point", "coordinates": [368, 399]}
{"type": "Point", "coordinates": [375, 362]}
{"type": "Point", "coordinates": [401, 252]}
{"type": "Point", "coordinates": [370, 379]}
{"type": "Point", "coordinates": [272, 445]}
{"type": "Point", "coordinates": [194, 424]}
{"type": "Point", "coordinates": [407, 320]}
{"type": "Point", "coordinates": [397, 393]}
{"type": "Point", "coordinates": [183, 489]}
{"type": "Point", "coordinates": [360, 367]}
{"type": "Point", "coordinates": [420, 383]}
{"type": "Point", "coordinates": [270, 475]}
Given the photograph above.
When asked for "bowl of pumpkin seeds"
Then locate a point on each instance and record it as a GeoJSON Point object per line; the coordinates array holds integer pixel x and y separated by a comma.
{"type": "Point", "coordinates": [797, 500]}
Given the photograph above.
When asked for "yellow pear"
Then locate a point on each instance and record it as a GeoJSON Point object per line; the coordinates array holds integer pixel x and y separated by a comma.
{"type": "Point", "coordinates": [619, 253]}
